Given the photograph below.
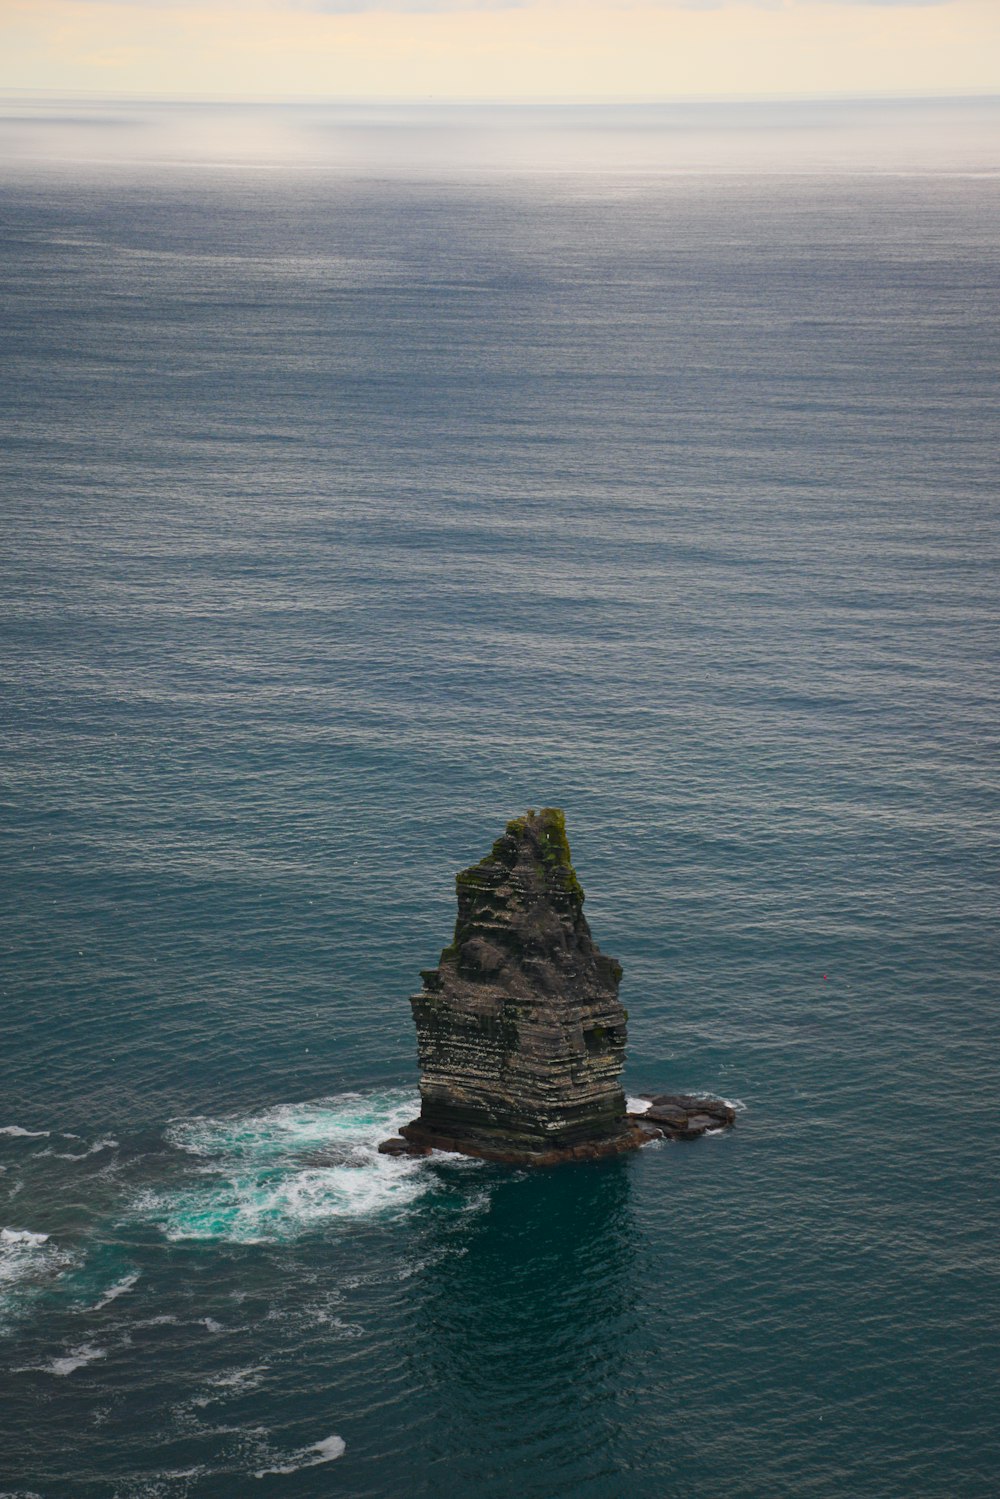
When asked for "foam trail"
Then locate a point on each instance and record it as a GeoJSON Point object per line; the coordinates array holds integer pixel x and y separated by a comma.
{"type": "Point", "coordinates": [320, 1452]}
{"type": "Point", "coordinates": [26, 1134]}
{"type": "Point", "coordinates": [81, 1155]}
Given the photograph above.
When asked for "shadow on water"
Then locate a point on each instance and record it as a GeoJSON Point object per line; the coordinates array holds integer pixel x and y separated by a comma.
{"type": "Point", "coordinates": [520, 1336]}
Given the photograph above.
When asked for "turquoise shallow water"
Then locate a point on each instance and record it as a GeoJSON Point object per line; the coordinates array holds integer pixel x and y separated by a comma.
{"type": "Point", "coordinates": [347, 516]}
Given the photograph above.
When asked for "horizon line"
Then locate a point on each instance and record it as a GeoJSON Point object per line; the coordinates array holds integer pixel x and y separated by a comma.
{"type": "Point", "coordinates": [498, 101]}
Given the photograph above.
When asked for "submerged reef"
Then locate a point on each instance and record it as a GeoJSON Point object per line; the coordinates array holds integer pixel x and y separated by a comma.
{"type": "Point", "coordinates": [520, 1032]}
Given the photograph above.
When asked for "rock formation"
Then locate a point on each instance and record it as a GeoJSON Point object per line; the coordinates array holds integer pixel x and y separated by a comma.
{"type": "Point", "coordinates": [520, 1033]}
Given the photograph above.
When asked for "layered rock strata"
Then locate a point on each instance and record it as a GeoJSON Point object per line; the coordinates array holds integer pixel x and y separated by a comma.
{"type": "Point", "coordinates": [520, 1032]}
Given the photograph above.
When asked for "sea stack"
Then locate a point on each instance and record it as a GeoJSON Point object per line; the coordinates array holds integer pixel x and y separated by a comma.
{"type": "Point", "coordinates": [520, 1032]}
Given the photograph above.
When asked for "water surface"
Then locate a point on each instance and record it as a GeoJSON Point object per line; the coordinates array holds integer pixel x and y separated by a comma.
{"type": "Point", "coordinates": [350, 510]}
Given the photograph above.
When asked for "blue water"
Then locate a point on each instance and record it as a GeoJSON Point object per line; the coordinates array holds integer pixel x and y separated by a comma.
{"type": "Point", "coordinates": [348, 513]}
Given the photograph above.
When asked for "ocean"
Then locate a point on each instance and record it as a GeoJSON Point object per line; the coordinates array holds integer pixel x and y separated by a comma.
{"type": "Point", "coordinates": [367, 478]}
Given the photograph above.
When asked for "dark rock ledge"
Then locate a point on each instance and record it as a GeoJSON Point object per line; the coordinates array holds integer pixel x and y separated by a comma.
{"type": "Point", "coordinates": [683, 1116]}
{"type": "Point", "coordinates": [520, 1032]}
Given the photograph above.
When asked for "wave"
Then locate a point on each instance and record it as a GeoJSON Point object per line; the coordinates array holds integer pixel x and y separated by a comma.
{"type": "Point", "coordinates": [269, 1176]}
{"type": "Point", "coordinates": [310, 1457]}
{"type": "Point", "coordinates": [120, 1288]}
{"type": "Point", "coordinates": [23, 1237]}
{"type": "Point", "coordinates": [24, 1134]}
{"type": "Point", "coordinates": [75, 1359]}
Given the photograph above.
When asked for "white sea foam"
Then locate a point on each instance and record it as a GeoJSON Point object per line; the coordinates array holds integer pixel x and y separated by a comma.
{"type": "Point", "coordinates": [25, 1134]}
{"type": "Point", "coordinates": [638, 1105]}
{"type": "Point", "coordinates": [120, 1288]}
{"type": "Point", "coordinates": [266, 1177]}
{"type": "Point", "coordinates": [320, 1452]}
{"type": "Point", "coordinates": [22, 1236]}
{"type": "Point", "coordinates": [75, 1359]}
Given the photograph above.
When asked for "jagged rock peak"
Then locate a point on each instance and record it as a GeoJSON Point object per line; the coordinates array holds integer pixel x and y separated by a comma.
{"type": "Point", "coordinates": [520, 1033]}
{"type": "Point", "coordinates": [520, 911]}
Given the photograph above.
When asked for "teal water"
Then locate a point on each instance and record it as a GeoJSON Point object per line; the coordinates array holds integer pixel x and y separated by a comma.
{"type": "Point", "coordinates": [348, 514]}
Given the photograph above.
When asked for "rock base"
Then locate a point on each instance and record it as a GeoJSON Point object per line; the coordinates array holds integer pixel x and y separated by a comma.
{"type": "Point", "coordinates": [419, 1140]}
{"type": "Point", "coordinates": [398, 1146]}
{"type": "Point", "coordinates": [674, 1116]}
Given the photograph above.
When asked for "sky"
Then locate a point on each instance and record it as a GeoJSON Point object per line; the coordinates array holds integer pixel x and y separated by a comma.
{"type": "Point", "coordinates": [500, 49]}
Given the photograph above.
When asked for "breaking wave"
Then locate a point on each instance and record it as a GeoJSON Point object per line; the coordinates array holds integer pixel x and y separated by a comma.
{"type": "Point", "coordinates": [269, 1176]}
{"type": "Point", "coordinates": [75, 1358]}
{"type": "Point", "coordinates": [309, 1457]}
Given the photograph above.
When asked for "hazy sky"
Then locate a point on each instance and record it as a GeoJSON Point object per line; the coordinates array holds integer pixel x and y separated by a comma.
{"type": "Point", "coordinates": [480, 49]}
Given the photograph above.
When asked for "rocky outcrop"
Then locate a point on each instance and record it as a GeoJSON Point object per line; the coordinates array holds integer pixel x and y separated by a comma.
{"type": "Point", "coordinates": [683, 1116]}
{"type": "Point", "coordinates": [520, 1033]}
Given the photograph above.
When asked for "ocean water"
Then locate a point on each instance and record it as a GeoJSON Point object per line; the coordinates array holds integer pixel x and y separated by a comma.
{"type": "Point", "coordinates": [357, 497]}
